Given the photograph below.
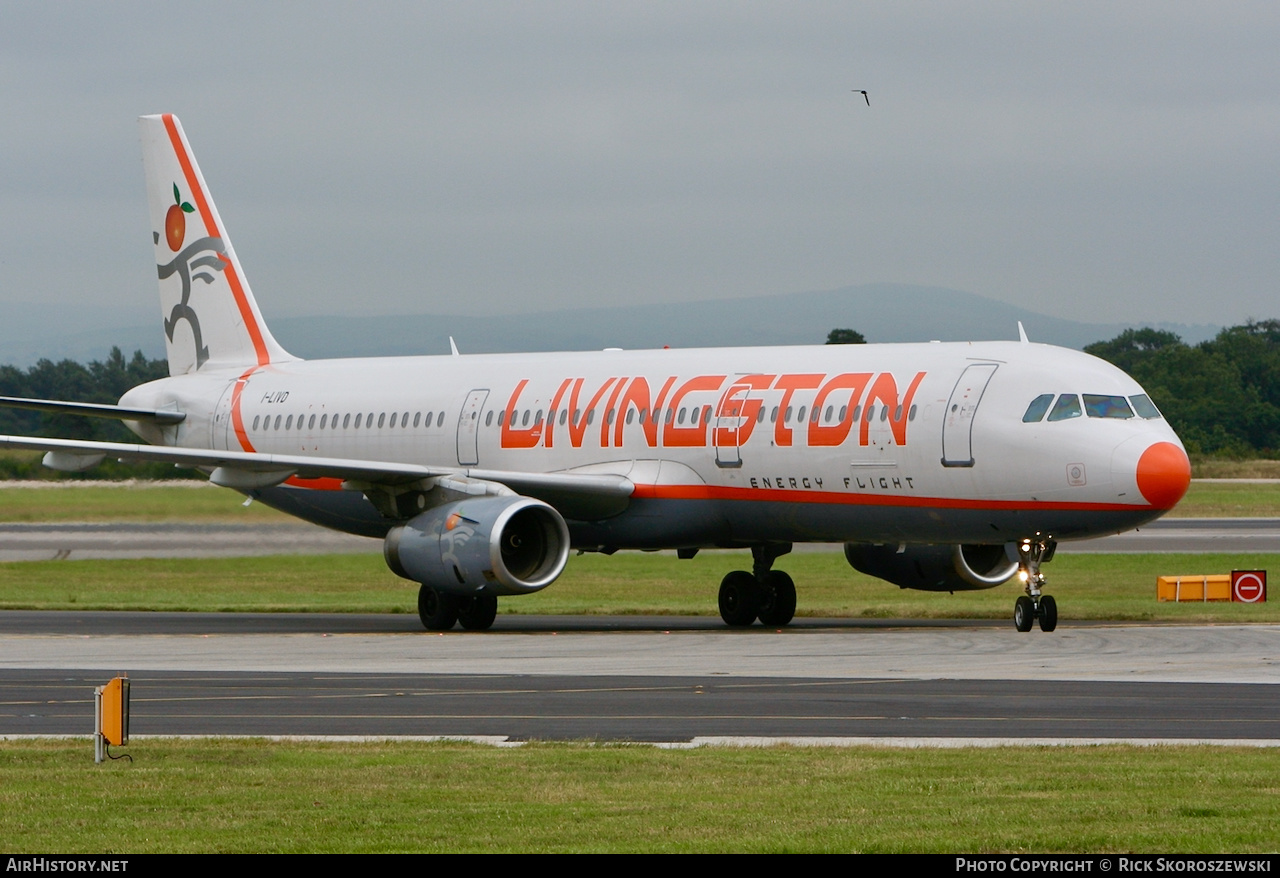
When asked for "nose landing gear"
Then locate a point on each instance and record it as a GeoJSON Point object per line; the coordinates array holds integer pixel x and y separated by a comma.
{"type": "Point", "coordinates": [1033, 606]}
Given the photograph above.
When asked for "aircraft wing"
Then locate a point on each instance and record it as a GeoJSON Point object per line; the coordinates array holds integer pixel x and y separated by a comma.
{"type": "Point", "coordinates": [93, 410]}
{"type": "Point", "coordinates": [577, 495]}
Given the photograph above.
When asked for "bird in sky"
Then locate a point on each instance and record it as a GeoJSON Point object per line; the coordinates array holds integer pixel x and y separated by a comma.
{"type": "Point", "coordinates": [863, 92]}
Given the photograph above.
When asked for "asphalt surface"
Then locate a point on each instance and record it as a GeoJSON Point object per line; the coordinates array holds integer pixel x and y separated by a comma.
{"type": "Point", "coordinates": [673, 680]}
{"type": "Point", "coordinates": [654, 709]}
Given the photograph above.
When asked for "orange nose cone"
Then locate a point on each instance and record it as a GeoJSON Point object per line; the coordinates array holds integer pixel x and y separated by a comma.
{"type": "Point", "coordinates": [1164, 474]}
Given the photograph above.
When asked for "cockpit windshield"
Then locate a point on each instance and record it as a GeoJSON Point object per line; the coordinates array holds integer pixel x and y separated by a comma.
{"type": "Point", "coordinates": [1099, 406]}
{"type": "Point", "coordinates": [1067, 406]}
{"type": "Point", "coordinates": [1143, 405]}
{"type": "Point", "coordinates": [1096, 405]}
{"type": "Point", "coordinates": [1038, 407]}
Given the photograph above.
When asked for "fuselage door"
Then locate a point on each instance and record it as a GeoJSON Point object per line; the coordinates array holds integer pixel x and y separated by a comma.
{"type": "Point", "coordinates": [957, 424]}
{"type": "Point", "coordinates": [727, 435]}
{"type": "Point", "coordinates": [220, 427]}
{"type": "Point", "coordinates": [469, 428]}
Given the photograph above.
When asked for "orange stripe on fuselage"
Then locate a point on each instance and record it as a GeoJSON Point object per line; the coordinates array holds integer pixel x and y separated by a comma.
{"type": "Point", "coordinates": [817, 498]}
{"type": "Point", "coordinates": [767, 495]}
{"type": "Point", "coordinates": [237, 420]}
{"type": "Point", "coordinates": [211, 228]}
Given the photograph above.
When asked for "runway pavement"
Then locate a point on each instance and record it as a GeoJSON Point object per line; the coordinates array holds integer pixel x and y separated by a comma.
{"type": "Point", "coordinates": [669, 680]}
{"type": "Point", "coordinates": [40, 542]}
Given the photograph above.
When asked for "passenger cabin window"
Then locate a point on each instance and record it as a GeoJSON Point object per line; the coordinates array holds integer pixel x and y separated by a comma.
{"type": "Point", "coordinates": [1143, 405]}
{"type": "Point", "coordinates": [1067, 406]}
{"type": "Point", "coordinates": [1035, 411]}
{"type": "Point", "coordinates": [1098, 406]}
{"type": "Point", "coordinates": [440, 420]}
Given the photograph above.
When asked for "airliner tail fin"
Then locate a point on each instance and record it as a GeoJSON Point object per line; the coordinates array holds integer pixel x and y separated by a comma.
{"type": "Point", "coordinates": [210, 316]}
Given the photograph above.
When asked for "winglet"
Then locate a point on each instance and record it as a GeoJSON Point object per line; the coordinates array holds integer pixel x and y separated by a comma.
{"type": "Point", "coordinates": [453, 348]}
{"type": "Point", "coordinates": [1022, 334]}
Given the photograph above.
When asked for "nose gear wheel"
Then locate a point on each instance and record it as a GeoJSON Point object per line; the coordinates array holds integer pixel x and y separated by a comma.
{"type": "Point", "coordinates": [1034, 606]}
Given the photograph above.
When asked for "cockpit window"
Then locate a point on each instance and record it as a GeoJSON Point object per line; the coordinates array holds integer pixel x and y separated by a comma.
{"type": "Point", "coordinates": [1098, 406]}
{"type": "Point", "coordinates": [1038, 407]}
{"type": "Point", "coordinates": [1067, 406]}
{"type": "Point", "coordinates": [1143, 405]}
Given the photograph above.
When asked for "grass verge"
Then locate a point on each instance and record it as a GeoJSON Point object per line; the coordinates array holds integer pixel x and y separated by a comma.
{"type": "Point", "coordinates": [128, 501]}
{"type": "Point", "coordinates": [254, 796]}
{"type": "Point", "coordinates": [1118, 587]}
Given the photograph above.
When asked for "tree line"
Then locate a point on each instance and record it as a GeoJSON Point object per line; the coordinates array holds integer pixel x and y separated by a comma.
{"type": "Point", "coordinates": [1222, 396]}
{"type": "Point", "coordinates": [102, 381]}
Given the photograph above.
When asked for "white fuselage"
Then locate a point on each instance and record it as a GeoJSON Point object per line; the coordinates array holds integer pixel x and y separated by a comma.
{"type": "Point", "coordinates": [903, 442]}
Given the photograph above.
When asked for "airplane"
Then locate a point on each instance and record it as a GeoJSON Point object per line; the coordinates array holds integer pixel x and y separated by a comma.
{"type": "Point", "coordinates": [941, 467]}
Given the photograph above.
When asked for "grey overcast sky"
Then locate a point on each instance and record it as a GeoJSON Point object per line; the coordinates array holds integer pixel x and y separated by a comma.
{"type": "Point", "coordinates": [1099, 161]}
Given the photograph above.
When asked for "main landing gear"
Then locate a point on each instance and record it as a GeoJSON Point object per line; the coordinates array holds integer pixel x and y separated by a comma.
{"type": "Point", "coordinates": [1033, 606]}
{"type": "Point", "coordinates": [439, 610]}
{"type": "Point", "coordinates": [765, 594]}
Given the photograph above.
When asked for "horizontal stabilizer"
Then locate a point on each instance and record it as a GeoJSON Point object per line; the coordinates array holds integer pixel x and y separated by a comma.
{"type": "Point", "coordinates": [93, 410]}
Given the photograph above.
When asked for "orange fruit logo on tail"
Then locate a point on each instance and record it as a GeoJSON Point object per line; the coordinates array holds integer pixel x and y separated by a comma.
{"type": "Point", "coordinates": [175, 224]}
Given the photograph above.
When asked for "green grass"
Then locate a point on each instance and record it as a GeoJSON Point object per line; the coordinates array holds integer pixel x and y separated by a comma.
{"type": "Point", "coordinates": [1208, 468]}
{"type": "Point", "coordinates": [1118, 587]}
{"type": "Point", "coordinates": [1230, 500]}
{"type": "Point", "coordinates": [129, 501]}
{"type": "Point", "coordinates": [252, 796]}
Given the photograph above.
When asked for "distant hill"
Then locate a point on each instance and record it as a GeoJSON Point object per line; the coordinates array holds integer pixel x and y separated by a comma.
{"type": "Point", "coordinates": [881, 312]}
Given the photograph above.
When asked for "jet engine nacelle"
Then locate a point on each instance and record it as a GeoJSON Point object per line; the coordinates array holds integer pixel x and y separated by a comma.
{"type": "Point", "coordinates": [936, 568]}
{"type": "Point", "coordinates": [487, 545]}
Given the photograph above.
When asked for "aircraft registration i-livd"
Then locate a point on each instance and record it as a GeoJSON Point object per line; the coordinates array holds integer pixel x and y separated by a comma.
{"type": "Point", "coordinates": [939, 466]}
